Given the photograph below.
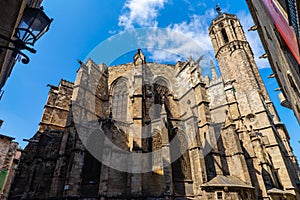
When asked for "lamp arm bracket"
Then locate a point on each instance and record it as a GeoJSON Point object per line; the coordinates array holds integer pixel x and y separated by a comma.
{"type": "Point", "coordinates": [25, 59]}
{"type": "Point", "coordinates": [31, 50]}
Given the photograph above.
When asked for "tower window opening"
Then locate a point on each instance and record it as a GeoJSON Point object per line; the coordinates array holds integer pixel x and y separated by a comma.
{"type": "Point", "coordinates": [225, 36]}
{"type": "Point", "coordinates": [233, 28]}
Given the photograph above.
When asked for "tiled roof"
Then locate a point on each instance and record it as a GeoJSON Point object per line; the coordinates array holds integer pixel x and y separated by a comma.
{"type": "Point", "coordinates": [226, 181]}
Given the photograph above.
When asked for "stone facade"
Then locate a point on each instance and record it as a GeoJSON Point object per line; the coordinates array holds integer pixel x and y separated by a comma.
{"type": "Point", "coordinates": [284, 65]}
{"type": "Point", "coordinates": [9, 159]}
{"type": "Point", "coordinates": [162, 132]}
{"type": "Point", "coordinates": [39, 159]}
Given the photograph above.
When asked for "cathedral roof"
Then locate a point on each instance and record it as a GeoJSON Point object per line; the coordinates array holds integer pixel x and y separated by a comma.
{"type": "Point", "coordinates": [226, 181]}
{"type": "Point", "coordinates": [275, 191]}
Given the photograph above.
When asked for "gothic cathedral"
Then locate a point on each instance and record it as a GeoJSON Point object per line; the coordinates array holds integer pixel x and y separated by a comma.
{"type": "Point", "coordinates": [145, 130]}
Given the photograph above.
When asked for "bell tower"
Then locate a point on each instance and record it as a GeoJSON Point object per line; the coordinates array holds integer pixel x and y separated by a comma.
{"type": "Point", "coordinates": [236, 61]}
{"type": "Point", "coordinates": [249, 105]}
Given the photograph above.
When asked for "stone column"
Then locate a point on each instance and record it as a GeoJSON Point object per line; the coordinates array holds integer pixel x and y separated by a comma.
{"type": "Point", "coordinates": [166, 156]}
{"type": "Point", "coordinates": [137, 112]}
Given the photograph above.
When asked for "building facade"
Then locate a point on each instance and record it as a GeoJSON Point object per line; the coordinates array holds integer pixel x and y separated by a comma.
{"type": "Point", "coordinates": [9, 159]}
{"type": "Point", "coordinates": [277, 23]}
{"type": "Point", "coordinates": [145, 130]}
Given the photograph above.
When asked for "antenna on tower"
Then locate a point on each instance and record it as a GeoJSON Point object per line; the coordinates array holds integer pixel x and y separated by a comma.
{"type": "Point", "coordinates": [218, 9]}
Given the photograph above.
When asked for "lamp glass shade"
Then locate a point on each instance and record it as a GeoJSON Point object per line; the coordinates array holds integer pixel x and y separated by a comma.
{"type": "Point", "coordinates": [33, 25]}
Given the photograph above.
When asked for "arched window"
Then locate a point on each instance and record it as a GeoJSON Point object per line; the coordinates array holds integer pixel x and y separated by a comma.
{"type": "Point", "coordinates": [120, 100]}
{"type": "Point", "coordinates": [225, 36]}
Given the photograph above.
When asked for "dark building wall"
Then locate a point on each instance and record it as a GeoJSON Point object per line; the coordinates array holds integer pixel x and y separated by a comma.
{"type": "Point", "coordinates": [283, 63]}
{"type": "Point", "coordinates": [37, 165]}
{"type": "Point", "coordinates": [9, 158]}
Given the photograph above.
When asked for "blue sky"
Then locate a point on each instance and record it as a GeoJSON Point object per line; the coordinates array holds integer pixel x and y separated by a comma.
{"type": "Point", "coordinates": [80, 27]}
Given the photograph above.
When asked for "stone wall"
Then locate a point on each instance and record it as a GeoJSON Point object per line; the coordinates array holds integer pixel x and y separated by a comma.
{"type": "Point", "coordinates": [280, 57]}
{"type": "Point", "coordinates": [9, 158]}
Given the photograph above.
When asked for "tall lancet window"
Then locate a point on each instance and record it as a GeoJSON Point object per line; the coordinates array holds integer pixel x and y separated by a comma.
{"type": "Point", "coordinates": [120, 100]}
{"type": "Point", "coordinates": [224, 34]}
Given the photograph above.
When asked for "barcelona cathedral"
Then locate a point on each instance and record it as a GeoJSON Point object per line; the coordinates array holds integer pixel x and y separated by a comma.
{"type": "Point", "coordinates": [146, 130]}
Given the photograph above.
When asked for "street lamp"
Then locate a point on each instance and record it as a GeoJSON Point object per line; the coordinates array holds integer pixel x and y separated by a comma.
{"type": "Point", "coordinates": [33, 25]}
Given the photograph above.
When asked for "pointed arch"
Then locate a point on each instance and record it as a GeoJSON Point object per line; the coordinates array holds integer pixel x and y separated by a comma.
{"type": "Point", "coordinates": [161, 91]}
{"type": "Point", "coordinates": [181, 168]}
{"type": "Point", "coordinates": [160, 80]}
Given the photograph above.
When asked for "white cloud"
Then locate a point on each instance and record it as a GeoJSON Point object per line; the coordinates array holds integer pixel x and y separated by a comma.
{"type": "Point", "coordinates": [253, 39]}
{"type": "Point", "coordinates": [197, 29]}
{"type": "Point", "coordinates": [141, 12]}
{"type": "Point", "coordinates": [177, 41]}
{"type": "Point", "coordinates": [182, 40]}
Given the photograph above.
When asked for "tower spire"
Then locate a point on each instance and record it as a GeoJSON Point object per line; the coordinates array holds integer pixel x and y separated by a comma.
{"type": "Point", "coordinates": [218, 9]}
{"type": "Point", "coordinates": [139, 58]}
{"type": "Point", "coordinates": [214, 74]}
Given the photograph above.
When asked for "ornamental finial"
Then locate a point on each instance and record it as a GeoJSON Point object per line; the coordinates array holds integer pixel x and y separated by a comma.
{"type": "Point", "coordinates": [218, 9]}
